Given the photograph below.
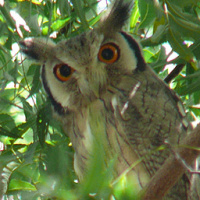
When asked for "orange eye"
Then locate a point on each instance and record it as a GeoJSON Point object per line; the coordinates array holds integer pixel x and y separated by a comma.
{"type": "Point", "coordinates": [63, 72]}
{"type": "Point", "coordinates": [108, 53]}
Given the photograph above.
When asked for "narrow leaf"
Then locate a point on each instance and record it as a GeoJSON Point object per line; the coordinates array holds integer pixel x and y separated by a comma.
{"type": "Point", "coordinates": [15, 185]}
{"type": "Point", "coordinates": [80, 13]}
{"type": "Point", "coordinates": [178, 45]}
{"type": "Point", "coordinates": [147, 12]}
{"type": "Point", "coordinates": [42, 123]}
{"type": "Point", "coordinates": [36, 83]}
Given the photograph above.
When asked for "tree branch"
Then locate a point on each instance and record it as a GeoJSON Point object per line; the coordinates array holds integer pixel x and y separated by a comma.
{"type": "Point", "coordinates": [166, 177]}
{"type": "Point", "coordinates": [174, 73]}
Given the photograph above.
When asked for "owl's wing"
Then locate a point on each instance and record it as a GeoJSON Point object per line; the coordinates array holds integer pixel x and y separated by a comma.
{"type": "Point", "coordinates": [151, 114]}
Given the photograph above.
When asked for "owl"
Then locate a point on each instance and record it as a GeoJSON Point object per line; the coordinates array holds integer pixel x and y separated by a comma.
{"type": "Point", "coordinates": [105, 95]}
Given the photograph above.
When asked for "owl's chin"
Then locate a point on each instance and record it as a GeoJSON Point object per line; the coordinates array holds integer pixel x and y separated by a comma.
{"type": "Point", "coordinates": [74, 104]}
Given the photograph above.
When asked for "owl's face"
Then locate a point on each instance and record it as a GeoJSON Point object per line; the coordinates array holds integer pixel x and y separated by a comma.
{"type": "Point", "coordinates": [77, 71]}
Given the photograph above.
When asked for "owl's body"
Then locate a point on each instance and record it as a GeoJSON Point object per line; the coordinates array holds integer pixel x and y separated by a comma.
{"type": "Point", "coordinates": [104, 94]}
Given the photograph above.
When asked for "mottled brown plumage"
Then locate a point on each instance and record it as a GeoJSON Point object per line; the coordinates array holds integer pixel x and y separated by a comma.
{"type": "Point", "coordinates": [122, 105]}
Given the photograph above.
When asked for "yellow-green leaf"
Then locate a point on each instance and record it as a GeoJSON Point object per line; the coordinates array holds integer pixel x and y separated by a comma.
{"type": "Point", "coordinates": [15, 185]}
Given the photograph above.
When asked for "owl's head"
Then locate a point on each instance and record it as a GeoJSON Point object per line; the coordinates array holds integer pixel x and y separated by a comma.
{"type": "Point", "coordinates": [77, 71]}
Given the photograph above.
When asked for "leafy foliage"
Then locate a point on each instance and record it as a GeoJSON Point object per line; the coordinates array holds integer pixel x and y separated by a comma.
{"type": "Point", "coordinates": [36, 160]}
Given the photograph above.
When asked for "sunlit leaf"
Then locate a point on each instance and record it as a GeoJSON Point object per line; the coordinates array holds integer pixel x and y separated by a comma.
{"type": "Point", "coordinates": [19, 130]}
{"type": "Point", "coordinates": [134, 18]}
{"type": "Point", "coordinates": [60, 23]}
{"type": "Point", "coordinates": [15, 185]}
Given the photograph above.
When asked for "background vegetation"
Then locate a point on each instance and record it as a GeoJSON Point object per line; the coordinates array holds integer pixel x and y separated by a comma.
{"type": "Point", "coordinates": [36, 159]}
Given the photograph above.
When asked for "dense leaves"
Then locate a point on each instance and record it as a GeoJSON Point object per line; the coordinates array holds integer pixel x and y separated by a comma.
{"type": "Point", "coordinates": [36, 159]}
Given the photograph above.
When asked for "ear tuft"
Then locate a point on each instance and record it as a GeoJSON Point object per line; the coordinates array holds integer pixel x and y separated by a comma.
{"type": "Point", "coordinates": [38, 49]}
{"type": "Point", "coordinates": [116, 17]}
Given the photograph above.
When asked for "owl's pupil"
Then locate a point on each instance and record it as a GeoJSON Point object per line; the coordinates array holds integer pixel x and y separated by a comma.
{"type": "Point", "coordinates": [65, 70]}
{"type": "Point", "coordinates": [107, 54]}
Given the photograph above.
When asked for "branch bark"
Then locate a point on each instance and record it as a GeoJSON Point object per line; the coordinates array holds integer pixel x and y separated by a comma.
{"type": "Point", "coordinates": [174, 73]}
{"type": "Point", "coordinates": [166, 177]}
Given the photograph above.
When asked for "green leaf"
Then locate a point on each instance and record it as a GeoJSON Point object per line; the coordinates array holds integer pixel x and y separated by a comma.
{"type": "Point", "coordinates": [2, 57]}
{"type": "Point", "coordinates": [60, 23]}
{"type": "Point", "coordinates": [178, 45]}
{"type": "Point", "coordinates": [7, 122]}
{"type": "Point", "coordinates": [183, 3]}
{"type": "Point", "coordinates": [159, 33]}
{"type": "Point", "coordinates": [179, 13]}
{"type": "Point", "coordinates": [19, 130]}
{"type": "Point", "coordinates": [64, 7]}
{"type": "Point", "coordinates": [36, 83]}
{"type": "Point", "coordinates": [7, 16]}
{"type": "Point", "coordinates": [31, 70]}
{"type": "Point", "coordinates": [15, 185]}
{"type": "Point", "coordinates": [4, 132]}
{"type": "Point", "coordinates": [43, 122]}
{"type": "Point", "coordinates": [134, 18]}
{"type": "Point", "coordinates": [80, 13]}
{"type": "Point", "coordinates": [28, 111]}
{"type": "Point", "coordinates": [29, 114]}
{"type": "Point", "coordinates": [94, 20]}
{"type": "Point", "coordinates": [195, 47]}
{"type": "Point", "coordinates": [191, 88]}
{"type": "Point", "coordinates": [184, 27]}
{"type": "Point", "coordinates": [147, 13]}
